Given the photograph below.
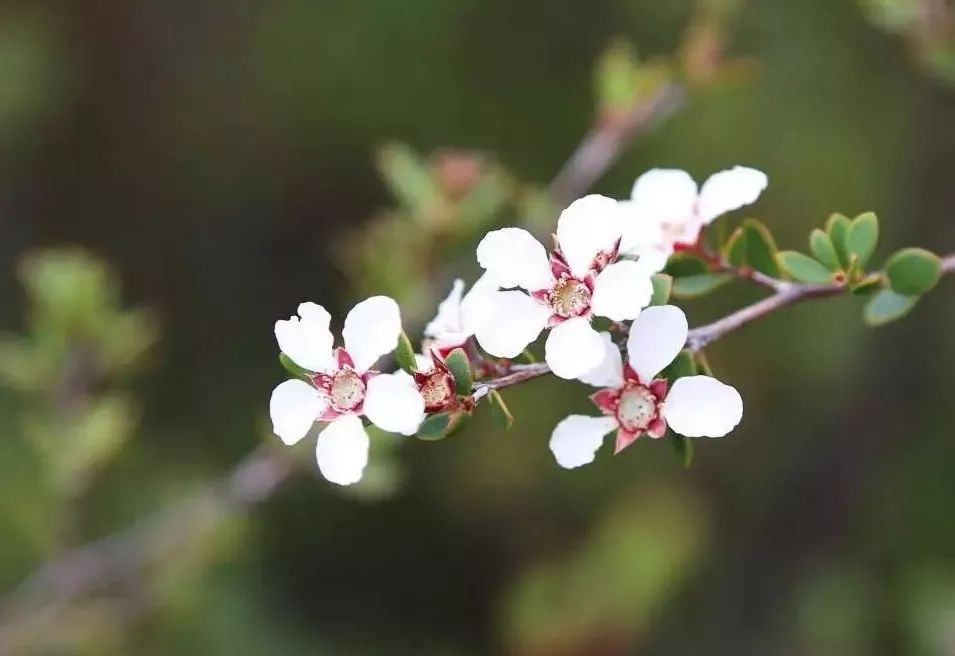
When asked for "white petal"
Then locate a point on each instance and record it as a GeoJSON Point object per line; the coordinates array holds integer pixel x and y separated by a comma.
{"type": "Point", "coordinates": [294, 407]}
{"type": "Point", "coordinates": [515, 259]}
{"type": "Point", "coordinates": [700, 406]}
{"type": "Point", "coordinates": [371, 330]}
{"type": "Point", "coordinates": [342, 450]}
{"type": "Point", "coordinates": [306, 338]}
{"type": "Point", "coordinates": [621, 291]}
{"type": "Point", "coordinates": [474, 304]}
{"type": "Point", "coordinates": [609, 373]}
{"type": "Point", "coordinates": [656, 337]}
{"type": "Point", "coordinates": [573, 348]}
{"type": "Point", "coordinates": [575, 440]}
{"type": "Point", "coordinates": [589, 225]}
{"type": "Point", "coordinates": [729, 190]}
{"type": "Point", "coordinates": [663, 195]}
{"type": "Point", "coordinates": [394, 404]}
{"type": "Point", "coordinates": [448, 319]}
{"type": "Point", "coordinates": [511, 322]}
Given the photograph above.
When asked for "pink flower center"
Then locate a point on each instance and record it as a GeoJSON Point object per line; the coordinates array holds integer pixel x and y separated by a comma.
{"type": "Point", "coordinates": [347, 390]}
{"type": "Point", "coordinates": [637, 408]}
{"type": "Point", "coordinates": [570, 297]}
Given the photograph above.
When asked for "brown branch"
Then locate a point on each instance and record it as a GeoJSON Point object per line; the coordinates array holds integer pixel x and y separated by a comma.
{"type": "Point", "coordinates": [603, 145]}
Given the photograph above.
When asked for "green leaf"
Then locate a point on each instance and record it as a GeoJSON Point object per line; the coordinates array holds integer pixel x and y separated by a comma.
{"type": "Point", "coordinates": [887, 306]}
{"type": "Point", "coordinates": [735, 248]}
{"type": "Point", "coordinates": [460, 367]}
{"type": "Point", "coordinates": [698, 285]}
{"type": "Point", "coordinates": [868, 285]}
{"type": "Point", "coordinates": [404, 354]}
{"type": "Point", "coordinates": [662, 287]}
{"type": "Point", "coordinates": [702, 364]}
{"type": "Point", "coordinates": [803, 268]}
{"type": "Point", "coordinates": [293, 369]}
{"type": "Point", "coordinates": [526, 357]}
{"type": "Point", "coordinates": [913, 271]}
{"type": "Point", "coordinates": [837, 227]}
{"type": "Point", "coordinates": [616, 78]}
{"type": "Point", "coordinates": [407, 176]}
{"type": "Point", "coordinates": [683, 447]}
{"type": "Point", "coordinates": [862, 238]}
{"type": "Point", "coordinates": [683, 264]}
{"type": "Point", "coordinates": [683, 365]}
{"type": "Point", "coordinates": [823, 250]}
{"type": "Point", "coordinates": [760, 248]}
{"type": "Point", "coordinates": [434, 427]}
{"type": "Point", "coordinates": [501, 411]}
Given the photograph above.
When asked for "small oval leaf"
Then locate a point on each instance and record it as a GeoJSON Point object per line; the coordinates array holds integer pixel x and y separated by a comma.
{"type": "Point", "coordinates": [760, 248]}
{"type": "Point", "coordinates": [434, 427]}
{"type": "Point", "coordinates": [822, 249]}
{"type": "Point", "coordinates": [862, 238]}
{"type": "Point", "coordinates": [460, 367]}
{"type": "Point", "coordinates": [913, 271]}
{"type": "Point", "coordinates": [886, 306]}
{"type": "Point", "coordinates": [698, 285]}
{"type": "Point", "coordinates": [803, 268]}
{"type": "Point", "coordinates": [837, 227]}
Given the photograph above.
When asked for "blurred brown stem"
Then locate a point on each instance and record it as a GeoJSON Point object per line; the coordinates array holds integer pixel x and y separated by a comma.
{"type": "Point", "coordinates": [120, 558]}
{"type": "Point", "coordinates": [603, 145]}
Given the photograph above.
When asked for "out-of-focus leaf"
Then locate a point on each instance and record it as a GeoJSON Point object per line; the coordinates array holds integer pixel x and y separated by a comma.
{"type": "Point", "coordinates": [887, 305]}
{"type": "Point", "coordinates": [868, 285]}
{"type": "Point", "coordinates": [662, 287]}
{"type": "Point", "coordinates": [683, 365]}
{"type": "Point", "coordinates": [408, 177]}
{"type": "Point", "coordinates": [683, 264]}
{"type": "Point", "coordinates": [616, 78]}
{"type": "Point", "coordinates": [735, 248]}
{"type": "Point", "coordinates": [913, 271]}
{"type": "Point", "coordinates": [683, 447]}
{"type": "Point", "coordinates": [698, 285]}
{"type": "Point", "coordinates": [760, 248]}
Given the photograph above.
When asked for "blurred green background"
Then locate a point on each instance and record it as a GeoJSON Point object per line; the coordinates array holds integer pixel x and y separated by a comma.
{"type": "Point", "coordinates": [223, 162]}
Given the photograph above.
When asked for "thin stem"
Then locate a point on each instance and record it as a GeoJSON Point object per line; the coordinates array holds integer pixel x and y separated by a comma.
{"type": "Point", "coordinates": [602, 146]}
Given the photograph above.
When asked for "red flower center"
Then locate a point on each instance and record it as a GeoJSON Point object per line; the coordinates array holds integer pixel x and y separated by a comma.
{"type": "Point", "coordinates": [437, 389]}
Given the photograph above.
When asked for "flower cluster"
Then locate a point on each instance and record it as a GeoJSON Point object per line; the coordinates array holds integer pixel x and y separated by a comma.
{"type": "Point", "coordinates": [599, 271]}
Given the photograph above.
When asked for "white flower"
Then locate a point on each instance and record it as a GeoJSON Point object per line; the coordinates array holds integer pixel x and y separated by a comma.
{"type": "Point", "coordinates": [343, 386]}
{"type": "Point", "coordinates": [458, 315]}
{"type": "Point", "coordinates": [581, 279]}
{"type": "Point", "coordinates": [666, 209]}
{"type": "Point", "coordinates": [634, 401]}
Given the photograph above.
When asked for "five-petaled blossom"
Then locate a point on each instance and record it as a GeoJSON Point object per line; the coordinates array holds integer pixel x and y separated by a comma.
{"type": "Point", "coordinates": [343, 386]}
{"type": "Point", "coordinates": [634, 401]}
{"type": "Point", "coordinates": [667, 211]}
{"type": "Point", "coordinates": [581, 279]}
